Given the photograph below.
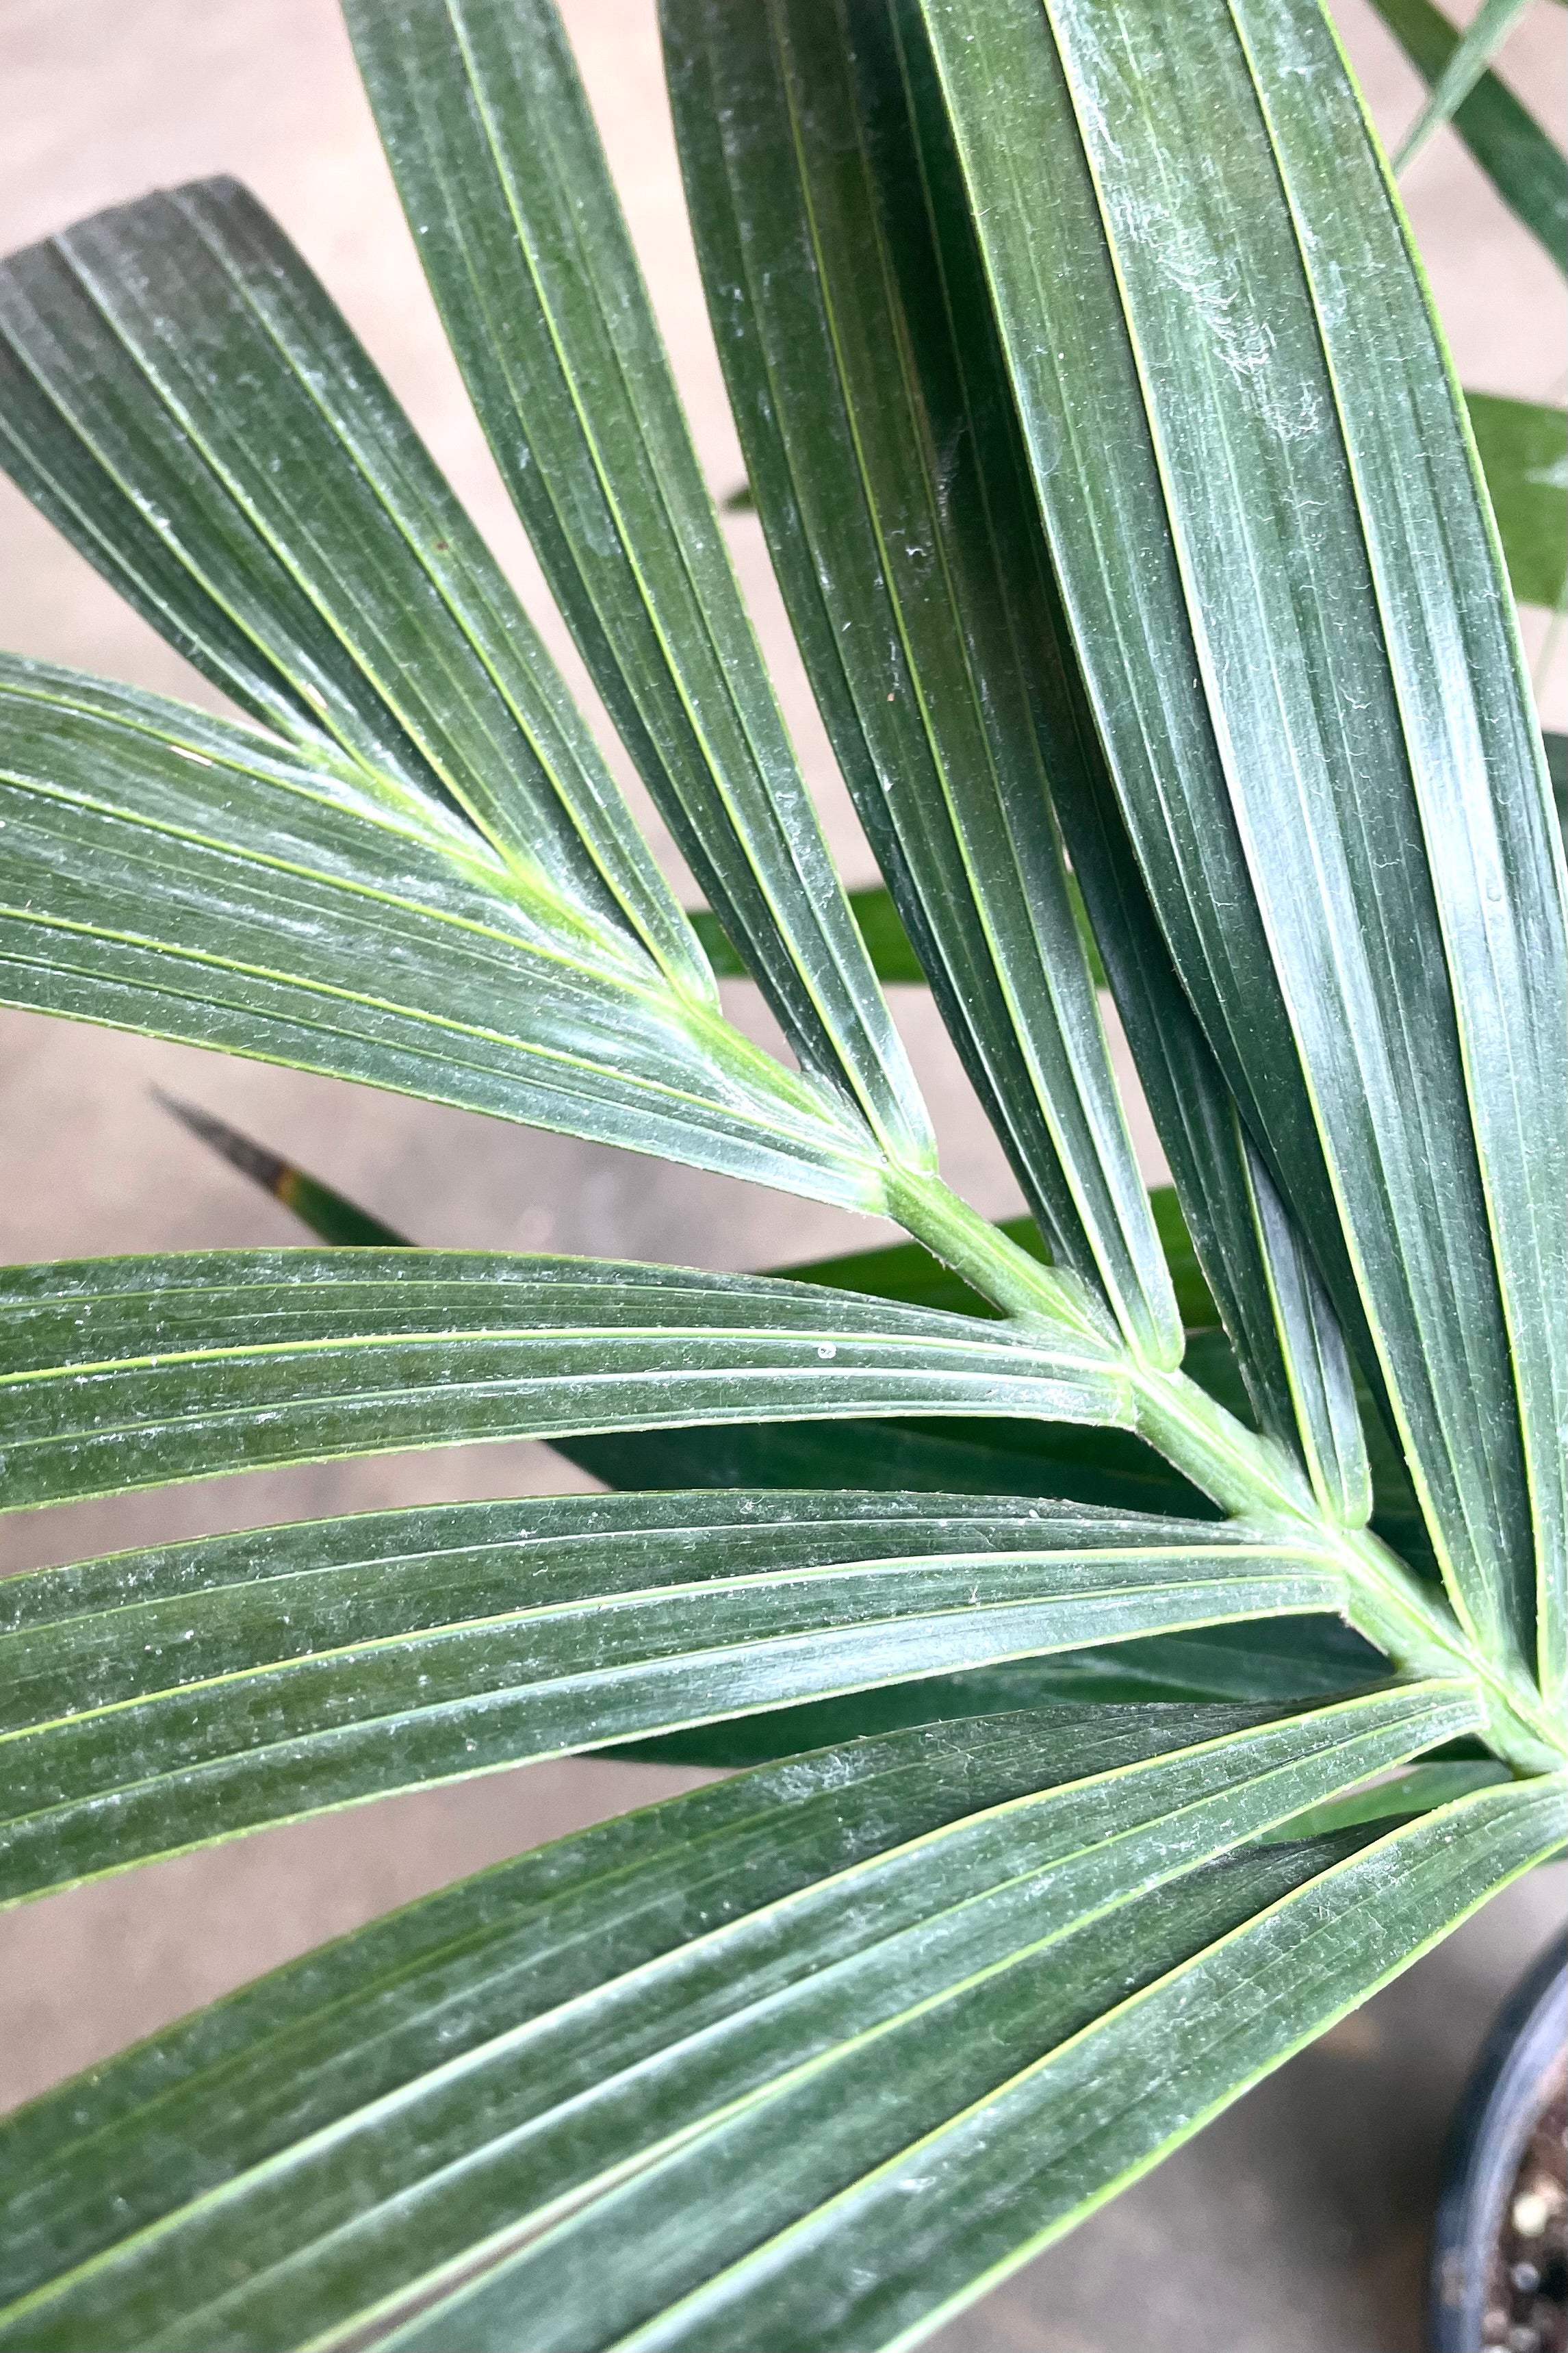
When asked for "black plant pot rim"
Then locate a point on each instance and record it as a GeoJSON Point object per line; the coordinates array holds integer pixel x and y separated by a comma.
{"type": "Point", "coordinates": [1486, 2141]}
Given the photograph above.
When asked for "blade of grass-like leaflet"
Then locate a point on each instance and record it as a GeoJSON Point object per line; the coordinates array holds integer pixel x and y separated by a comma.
{"type": "Point", "coordinates": [1475, 755]}
{"type": "Point", "coordinates": [161, 1699]}
{"type": "Point", "coordinates": [1527, 169]}
{"type": "Point", "coordinates": [64, 480]}
{"type": "Point", "coordinates": [501, 174]}
{"type": "Point", "coordinates": [177, 874]}
{"type": "Point", "coordinates": [185, 377]}
{"type": "Point", "coordinates": [399, 2102]}
{"type": "Point", "coordinates": [953, 2211]}
{"type": "Point", "coordinates": [1523, 448]}
{"type": "Point", "coordinates": [894, 570]}
{"type": "Point", "coordinates": [974, 1456]}
{"type": "Point", "coordinates": [1286, 775]}
{"type": "Point", "coordinates": [1194, 1299]}
{"type": "Point", "coordinates": [121, 1372]}
{"type": "Point", "coordinates": [1478, 44]}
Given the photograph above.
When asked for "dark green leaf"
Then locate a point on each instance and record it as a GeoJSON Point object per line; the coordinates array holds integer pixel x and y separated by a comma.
{"type": "Point", "coordinates": [158, 1700]}
{"type": "Point", "coordinates": [1325, 1420]}
{"type": "Point", "coordinates": [177, 874]}
{"type": "Point", "coordinates": [897, 569]}
{"type": "Point", "coordinates": [1557, 767]}
{"type": "Point", "coordinates": [1527, 169]}
{"type": "Point", "coordinates": [121, 1373]}
{"type": "Point", "coordinates": [887, 942]}
{"type": "Point", "coordinates": [1418, 1790]}
{"type": "Point", "coordinates": [317, 1207]}
{"type": "Point", "coordinates": [1280, 1663]}
{"type": "Point", "coordinates": [1345, 821]}
{"type": "Point", "coordinates": [1218, 1177]}
{"type": "Point", "coordinates": [356, 2125]}
{"type": "Point", "coordinates": [1483, 37]}
{"type": "Point", "coordinates": [184, 398]}
{"type": "Point", "coordinates": [961, 1456]}
{"type": "Point", "coordinates": [890, 2183]}
{"type": "Point", "coordinates": [1194, 1296]}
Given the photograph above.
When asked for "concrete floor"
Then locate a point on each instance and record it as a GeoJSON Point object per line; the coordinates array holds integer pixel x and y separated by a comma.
{"type": "Point", "coordinates": [1296, 2224]}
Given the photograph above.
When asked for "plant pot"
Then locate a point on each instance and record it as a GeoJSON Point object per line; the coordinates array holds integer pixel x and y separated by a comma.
{"type": "Point", "coordinates": [1500, 2253]}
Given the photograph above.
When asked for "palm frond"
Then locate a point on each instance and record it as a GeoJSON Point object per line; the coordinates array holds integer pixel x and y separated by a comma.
{"type": "Point", "coordinates": [1142, 1626]}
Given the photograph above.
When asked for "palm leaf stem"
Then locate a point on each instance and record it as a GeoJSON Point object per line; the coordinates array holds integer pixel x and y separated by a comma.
{"type": "Point", "coordinates": [1254, 1480]}
{"type": "Point", "coordinates": [1248, 1475]}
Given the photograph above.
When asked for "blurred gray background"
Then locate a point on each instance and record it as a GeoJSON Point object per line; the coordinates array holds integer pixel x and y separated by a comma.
{"type": "Point", "coordinates": [1298, 2223]}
